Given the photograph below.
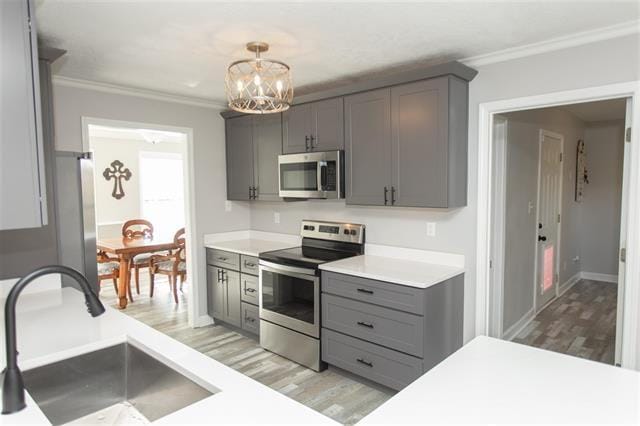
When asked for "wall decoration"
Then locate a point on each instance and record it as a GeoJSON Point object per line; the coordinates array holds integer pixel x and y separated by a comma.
{"type": "Point", "coordinates": [582, 174]}
{"type": "Point", "coordinates": [117, 172]}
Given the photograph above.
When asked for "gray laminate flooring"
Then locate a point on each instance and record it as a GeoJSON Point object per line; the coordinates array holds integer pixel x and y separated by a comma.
{"type": "Point", "coordinates": [581, 322]}
{"type": "Point", "coordinates": [332, 392]}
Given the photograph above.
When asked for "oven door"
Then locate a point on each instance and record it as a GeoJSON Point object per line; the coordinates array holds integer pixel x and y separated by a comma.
{"type": "Point", "coordinates": [311, 175]}
{"type": "Point", "coordinates": [290, 297]}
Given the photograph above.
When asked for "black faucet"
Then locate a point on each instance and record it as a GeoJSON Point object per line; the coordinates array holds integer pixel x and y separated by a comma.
{"type": "Point", "coordinates": [12, 384]}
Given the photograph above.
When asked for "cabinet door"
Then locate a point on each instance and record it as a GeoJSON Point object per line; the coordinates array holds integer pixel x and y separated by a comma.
{"type": "Point", "coordinates": [239, 146]}
{"type": "Point", "coordinates": [22, 174]}
{"type": "Point", "coordinates": [215, 293]}
{"type": "Point", "coordinates": [368, 147]}
{"type": "Point", "coordinates": [232, 298]}
{"type": "Point", "coordinates": [419, 124]}
{"type": "Point", "coordinates": [328, 125]}
{"type": "Point", "coordinates": [267, 143]}
{"type": "Point", "coordinates": [296, 128]}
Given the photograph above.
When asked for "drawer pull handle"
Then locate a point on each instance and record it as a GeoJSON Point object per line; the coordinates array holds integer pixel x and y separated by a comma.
{"type": "Point", "coordinates": [365, 324]}
{"type": "Point", "coordinates": [223, 259]}
{"type": "Point", "coordinates": [364, 290]}
{"type": "Point", "coordinates": [362, 361]}
{"type": "Point", "coordinates": [250, 290]}
{"type": "Point", "coordinates": [249, 319]}
{"type": "Point", "coordinates": [249, 265]}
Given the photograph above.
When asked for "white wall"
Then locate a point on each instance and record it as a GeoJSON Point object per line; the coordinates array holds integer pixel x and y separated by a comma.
{"type": "Point", "coordinates": [600, 208]}
{"type": "Point", "coordinates": [209, 154]}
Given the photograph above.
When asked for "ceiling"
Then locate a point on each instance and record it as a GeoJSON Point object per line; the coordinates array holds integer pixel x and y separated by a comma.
{"type": "Point", "coordinates": [613, 109]}
{"type": "Point", "coordinates": [184, 47]}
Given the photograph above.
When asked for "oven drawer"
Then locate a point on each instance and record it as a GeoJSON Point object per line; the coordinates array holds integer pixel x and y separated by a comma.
{"type": "Point", "coordinates": [250, 318]}
{"type": "Point", "coordinates": [225, 259]}
{"type": "Point", "coordinates": [249, 264]}
{"type": "Point", "coordinates": [382, 365]}
{"type": "Point", "coordinates": [249, 288]}
{"type": "Point", "coordinates": [402, 298]}
{"type": "Point", "coordinates": [396, 330]}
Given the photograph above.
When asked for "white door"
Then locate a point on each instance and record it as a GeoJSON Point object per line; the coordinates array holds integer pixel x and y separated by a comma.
{"type": "Point", "coordinates": [623, 235]}
{"type": "Point", "coordinates": [548, 223]}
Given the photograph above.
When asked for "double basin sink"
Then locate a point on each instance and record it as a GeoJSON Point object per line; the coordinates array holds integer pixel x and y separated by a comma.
{"type": "Point", "coordinates": [120, 384]}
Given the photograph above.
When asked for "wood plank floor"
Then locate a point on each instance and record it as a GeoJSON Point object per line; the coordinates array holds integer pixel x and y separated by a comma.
{"type": "Point", "coordinates": [581, 322]}
{"type": "Point", "coordinates": [331, 392]}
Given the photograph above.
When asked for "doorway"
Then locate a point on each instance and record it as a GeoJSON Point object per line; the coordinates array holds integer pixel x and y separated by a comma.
{"type": "Point", "coordinates": [156, 187]}
{"type": "Point", "coordinates": [492, 232]}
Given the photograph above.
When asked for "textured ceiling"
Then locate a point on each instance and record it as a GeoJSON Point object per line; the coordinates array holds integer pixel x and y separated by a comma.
{"type": "Point", "coordinates": [183, 47]}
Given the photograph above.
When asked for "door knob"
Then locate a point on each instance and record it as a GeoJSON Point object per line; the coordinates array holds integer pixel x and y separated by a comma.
{"type": "Point", "coordinates": [542, 238]}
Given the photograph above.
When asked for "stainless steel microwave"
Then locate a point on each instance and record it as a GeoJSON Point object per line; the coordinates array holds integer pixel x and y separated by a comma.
{"type": "Point", "coordinates": [311, 175]}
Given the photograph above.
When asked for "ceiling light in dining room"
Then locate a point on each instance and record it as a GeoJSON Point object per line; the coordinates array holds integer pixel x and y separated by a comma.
{"type": "Point", "coordinates": [259, 86]}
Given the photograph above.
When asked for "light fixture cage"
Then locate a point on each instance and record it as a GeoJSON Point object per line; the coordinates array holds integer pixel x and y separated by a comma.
{"type": "Point", "coordinates": [259, 86]}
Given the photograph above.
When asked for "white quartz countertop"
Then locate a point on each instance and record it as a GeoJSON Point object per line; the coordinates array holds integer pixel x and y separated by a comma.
{"type": "Point", "coordinates": [251, 243]}
{"type": "Point", "coordinates": [54, 325]}
{"type": "Point", "coordinates": [491, 381]}
{"type": "Point", "coordinates": [411, 273]}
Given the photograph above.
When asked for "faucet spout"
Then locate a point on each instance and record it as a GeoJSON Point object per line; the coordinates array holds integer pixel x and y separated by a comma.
{"type": "Point", "coordinates": [12, 383]}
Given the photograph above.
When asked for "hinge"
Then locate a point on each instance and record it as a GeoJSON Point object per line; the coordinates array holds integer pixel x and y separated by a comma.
{"type": "Point", "coordinates": [558, 217]}
{"type": "Point", "coordinates": [491, 264]}
{"type": "Point", "coordinates": [623, 254]}
{"type": "Point", "coordinates": [561, 157]}
{"type": "Point", "coordinates": [627, 134]}
{"type": "Point", "coordinates": [557, 278]}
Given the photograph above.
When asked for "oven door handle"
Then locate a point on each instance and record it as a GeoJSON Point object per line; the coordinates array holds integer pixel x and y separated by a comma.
{"type": "Point", "coordinates": [322, 175]}
{"type": "Point", "coordinates": [285, 269]}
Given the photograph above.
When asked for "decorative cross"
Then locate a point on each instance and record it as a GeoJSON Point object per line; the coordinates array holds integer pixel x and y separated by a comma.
{"type": "Point", "coordinates": [117, 173]}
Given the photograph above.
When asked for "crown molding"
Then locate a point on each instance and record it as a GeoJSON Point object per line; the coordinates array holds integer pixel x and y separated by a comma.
{"type": "Point", "coordinates": [132, 91]}
{"type": "Point", "coordinates": [558, 43]}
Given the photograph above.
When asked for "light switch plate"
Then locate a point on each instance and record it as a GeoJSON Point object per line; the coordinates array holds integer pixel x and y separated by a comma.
{"type": "Point", "coordinates": [227, 206]}
{"type": "Point", "coordinates": [431, 229]}
{"type": "Point", "coordinates": [276, 217]}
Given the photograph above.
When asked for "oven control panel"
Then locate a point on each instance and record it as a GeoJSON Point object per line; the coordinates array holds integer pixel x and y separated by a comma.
{"type": "Point", "coordinates": [334, 231]}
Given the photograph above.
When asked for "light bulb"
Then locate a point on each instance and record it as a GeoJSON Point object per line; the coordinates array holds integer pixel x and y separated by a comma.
{"type": "Point", "coordinates": [239, 85]}
{"type": "Point", "coordinates": [279, 86]}
{"type": "Point", "coordinates": [257, 80]}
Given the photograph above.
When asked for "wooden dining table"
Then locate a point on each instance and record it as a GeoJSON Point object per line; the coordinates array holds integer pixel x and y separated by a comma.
{"type": "Point", "coordinates": [126, 249]}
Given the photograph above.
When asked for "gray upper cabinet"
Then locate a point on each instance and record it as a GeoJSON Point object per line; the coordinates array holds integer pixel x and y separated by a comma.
{"type": "Point", "coordinates": [240, 170]}
{"type": "Point", "coordinates": [368, 147]}
{"type": "Point", "coordinates": [22, 173]}
{"type": "Point", "coordinates": [407, 145]}
{"type": "Point", "coordinates": [267, 137]}
{"type": "Point", "coordinates": [316, 126]}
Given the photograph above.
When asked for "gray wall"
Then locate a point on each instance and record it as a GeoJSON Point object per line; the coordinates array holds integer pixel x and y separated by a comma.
{"type": "Point", "coordinates": [600, 215]}
{"type": "Point", "coordinates": [523, 136]}
{"type": "Point", "coordinates": [209, 154]}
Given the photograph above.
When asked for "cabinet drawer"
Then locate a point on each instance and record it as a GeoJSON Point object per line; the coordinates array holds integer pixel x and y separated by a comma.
{"type": "Point", "coordinates": [225, 259]}
{"type": "Point", "coordinates": [402, 298]}
{"type": "Point", "coordinates": [249, 288]}
{"type": "Point", "coordinates": [396, 330]}
{"type": "Point", "coordinates": [249, 264]}
{"type": "Point", "coordinates": [250, 318]}
{"type": "Point", "coordinates": [385, 366]}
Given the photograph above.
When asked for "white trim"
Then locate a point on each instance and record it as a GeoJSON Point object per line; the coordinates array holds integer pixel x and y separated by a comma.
{"type": "Point", "coordinates": [134, 91]}
{"type": "Point", "coordinates": [558, 43]}
{"type": "Point", "coordinates": [565, 286]}
{"type": "Point", "coordinates": [519, 325]}
{"type": "Point", "coordinates": [594, 276]}
{"type": "Point", "coordinates": [193, 263]}
{"type": "Point", "coordinates": [631, 308]}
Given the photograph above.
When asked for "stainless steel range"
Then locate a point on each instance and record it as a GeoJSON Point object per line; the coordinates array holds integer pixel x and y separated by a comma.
{"type": "Point", "coordinates": [290, 289]}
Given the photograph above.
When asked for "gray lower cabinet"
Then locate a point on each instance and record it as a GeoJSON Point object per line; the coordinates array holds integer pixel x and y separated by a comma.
{"type": "Point", "coordinates": [407, 145]}
{"type": "Point", "coordinates": [232, 289]}
{"type": "Point", "coordinates": [315, 126]}
{"type": "Point", "coordinates": [253, 144]}
{"type": "Point", "coordinates": [387, 332]}
{"type": "Point", "coordinates": [22, 170]}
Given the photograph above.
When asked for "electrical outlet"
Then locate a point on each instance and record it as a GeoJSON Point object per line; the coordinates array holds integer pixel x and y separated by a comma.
{"type": "Point", "coordinates": [227, 206]}
{"type": "Point", "coordinates": [431, 229]}
{"type": "Point", "coordinates": [276, 217]}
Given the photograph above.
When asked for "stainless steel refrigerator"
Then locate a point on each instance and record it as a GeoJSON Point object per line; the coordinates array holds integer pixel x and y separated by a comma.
{"type": "Point", "coordinates": [75, 206]}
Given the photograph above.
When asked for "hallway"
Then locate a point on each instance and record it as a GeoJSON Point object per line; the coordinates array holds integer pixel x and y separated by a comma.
{"type": "Point", "coordinates": [581, 322]}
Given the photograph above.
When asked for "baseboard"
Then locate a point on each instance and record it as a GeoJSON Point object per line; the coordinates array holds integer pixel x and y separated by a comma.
{"type": "Point", "coordinates": [562, 289]}
{"type": "Point", "coordinates": [203, 321]}
{"type": "Point", "coordinates": [516, 328]}
{"type": "Point", "coordinates": [594, 276]}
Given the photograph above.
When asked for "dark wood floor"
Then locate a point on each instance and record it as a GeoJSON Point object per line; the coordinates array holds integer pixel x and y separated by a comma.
{"type": "Point", "coordinates": [331, 392]}
{"type": "Point", "coordinates": [581, 322]}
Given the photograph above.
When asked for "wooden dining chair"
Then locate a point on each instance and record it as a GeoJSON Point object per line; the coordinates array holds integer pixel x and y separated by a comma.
{"type": "Point", "coordinates": [138, 228]}
{"type": "Point", "coordinates": [173, 265]}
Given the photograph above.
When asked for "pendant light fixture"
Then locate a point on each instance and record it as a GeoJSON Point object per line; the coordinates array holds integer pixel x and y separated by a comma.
{"type": "Point", "coordinates": [259, 86]}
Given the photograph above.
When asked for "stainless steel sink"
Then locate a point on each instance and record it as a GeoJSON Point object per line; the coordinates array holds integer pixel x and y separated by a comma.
{"type": "Point", "coordinates": [77, 387]}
